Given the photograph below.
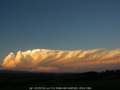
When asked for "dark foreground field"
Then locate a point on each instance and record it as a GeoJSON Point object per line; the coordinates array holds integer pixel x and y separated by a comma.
{"type": "Point", "coordinates": [17, 80]}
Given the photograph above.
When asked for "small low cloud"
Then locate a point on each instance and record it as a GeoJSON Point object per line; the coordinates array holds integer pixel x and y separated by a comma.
{"type": "Point", "coordinates": [62, 60]}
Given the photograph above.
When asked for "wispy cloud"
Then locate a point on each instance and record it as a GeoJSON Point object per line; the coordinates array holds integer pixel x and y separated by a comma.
{"type": "Point", "coordinates": [61, 60]}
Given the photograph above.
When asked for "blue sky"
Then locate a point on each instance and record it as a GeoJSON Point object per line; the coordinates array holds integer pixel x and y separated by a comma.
{"type": "Point", "coordinates": [58, 25]}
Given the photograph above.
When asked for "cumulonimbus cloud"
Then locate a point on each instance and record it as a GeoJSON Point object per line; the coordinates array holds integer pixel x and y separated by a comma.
{"type": "Point", "coordinates": [61, 60]}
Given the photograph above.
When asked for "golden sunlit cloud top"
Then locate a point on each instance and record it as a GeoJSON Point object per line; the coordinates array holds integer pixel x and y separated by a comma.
{"type": "Point", "coordinates": [61, 60]}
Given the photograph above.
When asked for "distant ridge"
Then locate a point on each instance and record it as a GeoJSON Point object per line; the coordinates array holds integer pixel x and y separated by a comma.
{"type": "Point", "coordinates": [17, 71]}
{"type": "Point", "coordinates": [13, 71]}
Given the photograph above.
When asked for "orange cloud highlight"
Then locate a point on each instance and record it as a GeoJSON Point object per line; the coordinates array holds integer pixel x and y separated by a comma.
{"type": "Point", "coordinates": [60, 60]}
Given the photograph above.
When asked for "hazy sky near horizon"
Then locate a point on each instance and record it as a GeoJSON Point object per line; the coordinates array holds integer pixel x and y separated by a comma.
{"type": "Point", "coordinates": [58, 25]}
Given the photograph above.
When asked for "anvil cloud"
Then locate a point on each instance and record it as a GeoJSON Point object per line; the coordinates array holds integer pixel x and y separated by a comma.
{"type": "Point", "coordinates": [62, 60]}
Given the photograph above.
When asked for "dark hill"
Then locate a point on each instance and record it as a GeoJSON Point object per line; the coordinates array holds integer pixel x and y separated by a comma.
{"type": "Point", "coordinates": [22, 80]}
